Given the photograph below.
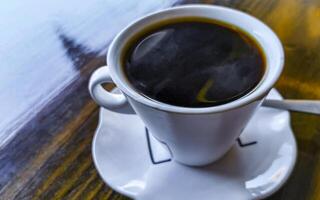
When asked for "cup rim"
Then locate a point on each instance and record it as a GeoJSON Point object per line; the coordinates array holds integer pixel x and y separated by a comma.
{"type": "Point", "coordinates": [259, 92]}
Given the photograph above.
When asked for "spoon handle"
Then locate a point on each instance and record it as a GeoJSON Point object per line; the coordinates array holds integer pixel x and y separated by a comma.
{"type": "Point", "coordinates": [306, 106]}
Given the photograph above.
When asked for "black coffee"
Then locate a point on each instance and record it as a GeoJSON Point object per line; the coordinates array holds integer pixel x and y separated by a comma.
{"type": "Point", "coordinates": [193, 63]}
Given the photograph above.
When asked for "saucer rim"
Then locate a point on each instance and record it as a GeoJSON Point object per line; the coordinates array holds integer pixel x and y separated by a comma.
{"type": "Point", "coordinates": [262, 196]}
{"type": "Point", "coordinates": [95, 161]}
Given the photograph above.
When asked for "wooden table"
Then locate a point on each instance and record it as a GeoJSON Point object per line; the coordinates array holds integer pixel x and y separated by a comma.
{"type": "Point", "coordinates": [47, 119]}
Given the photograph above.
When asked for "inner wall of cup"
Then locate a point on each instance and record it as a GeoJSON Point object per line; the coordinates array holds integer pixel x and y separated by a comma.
{"type": "Point", "coordinates": [263, 36]}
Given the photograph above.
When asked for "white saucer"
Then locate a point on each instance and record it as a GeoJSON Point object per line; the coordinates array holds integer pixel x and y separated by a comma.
{"type": "Point", "coordinates": [133, 163]}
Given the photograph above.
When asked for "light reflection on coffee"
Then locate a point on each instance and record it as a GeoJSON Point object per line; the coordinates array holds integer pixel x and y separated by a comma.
{"type": "Point", "coordinates": [194, 62]}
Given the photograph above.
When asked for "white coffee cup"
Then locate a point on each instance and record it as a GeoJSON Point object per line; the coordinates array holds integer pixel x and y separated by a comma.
{"type": "Point", "coordinates": [195, 136]}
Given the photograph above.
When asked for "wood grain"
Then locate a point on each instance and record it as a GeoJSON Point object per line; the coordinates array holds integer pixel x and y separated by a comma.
{"type": "Point", "coordinates": [297, 23]}
{"type": "Point", "coordinates": [49, 156]}
{"type": "Point", "coordinates": [43, 45]}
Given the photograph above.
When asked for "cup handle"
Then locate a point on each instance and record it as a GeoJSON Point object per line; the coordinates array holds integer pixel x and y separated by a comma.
{"type": "Point", "coordinates": [100, 95]}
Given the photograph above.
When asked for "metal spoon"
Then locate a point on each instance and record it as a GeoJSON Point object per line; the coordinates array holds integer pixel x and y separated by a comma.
{"type": "Point", "coordinates": [306, 106]}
